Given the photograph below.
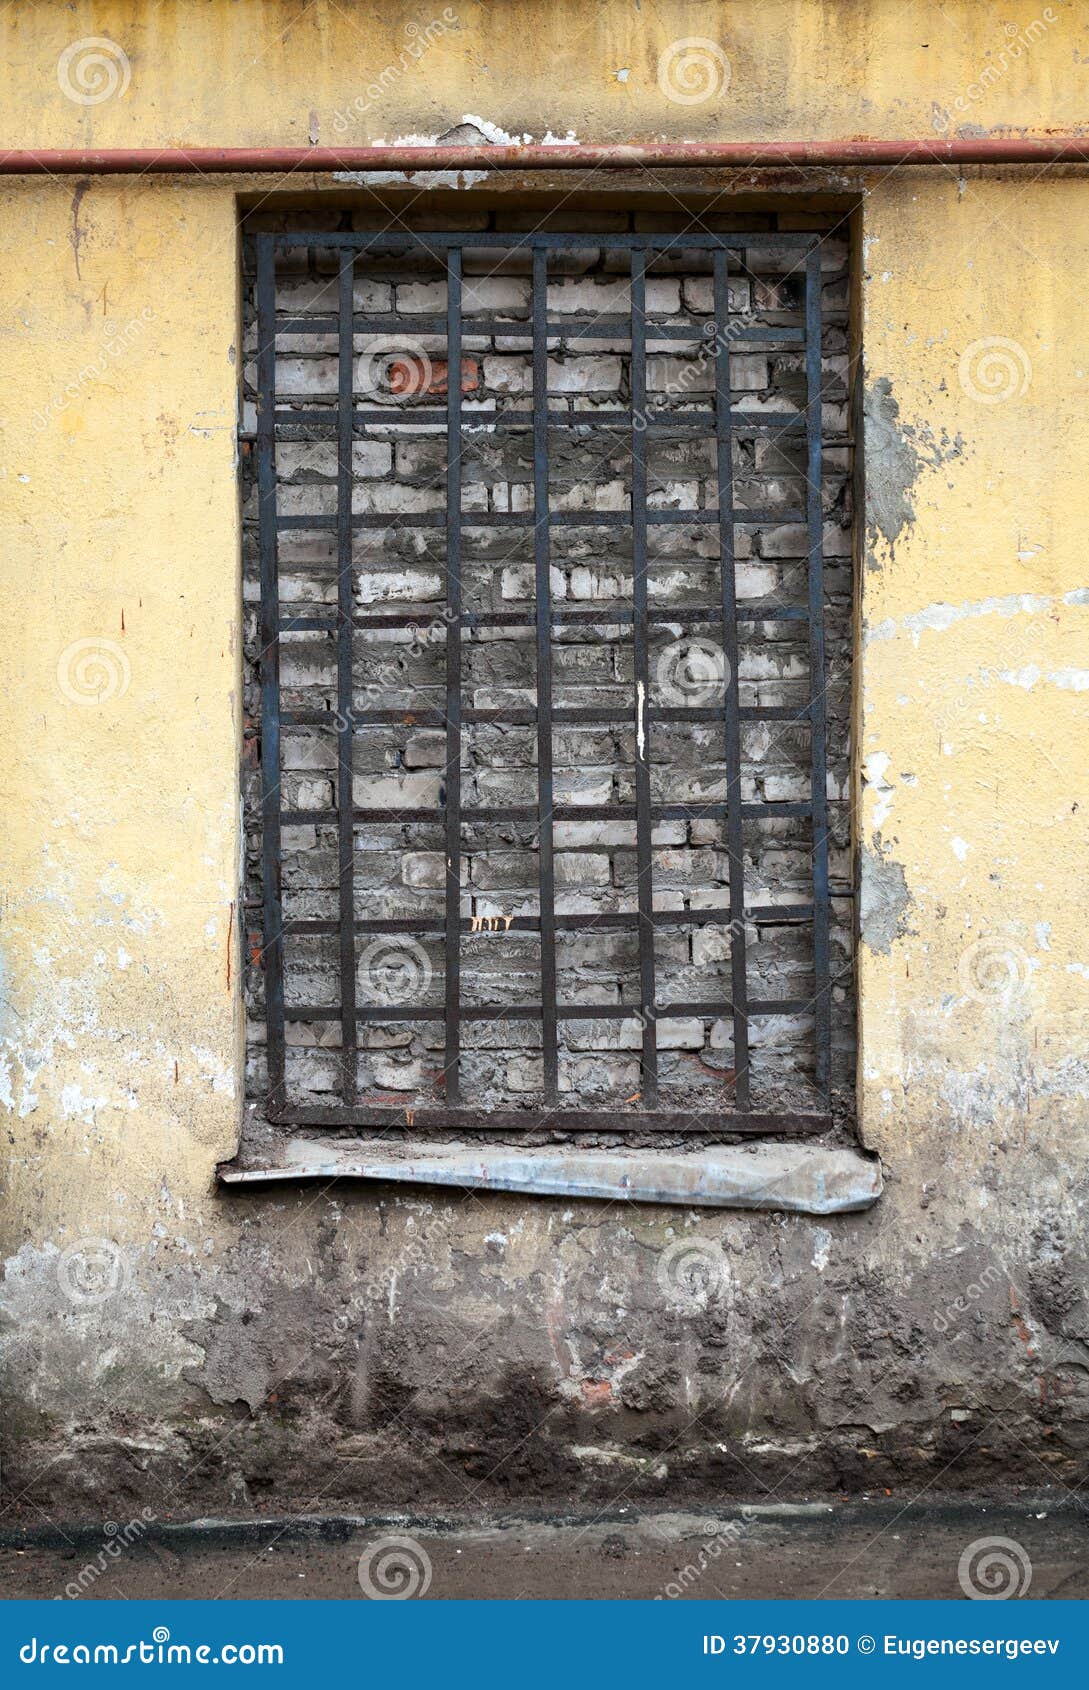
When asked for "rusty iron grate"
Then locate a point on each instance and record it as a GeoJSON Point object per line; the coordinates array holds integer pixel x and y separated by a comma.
{"type": "Point", "coordinates": [432, 397]}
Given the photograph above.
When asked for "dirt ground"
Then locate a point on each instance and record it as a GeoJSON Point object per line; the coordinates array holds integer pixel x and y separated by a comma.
{"type": "Point", "coordinates": [878, 1549]}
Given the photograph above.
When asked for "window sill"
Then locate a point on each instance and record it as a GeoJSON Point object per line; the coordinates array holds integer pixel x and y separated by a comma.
{"type": "Point", "coordinates": [797, 1178]}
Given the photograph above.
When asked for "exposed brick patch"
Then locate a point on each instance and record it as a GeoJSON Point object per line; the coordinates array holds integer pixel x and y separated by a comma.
{"type": "Point", "coordinates": [413, 377]}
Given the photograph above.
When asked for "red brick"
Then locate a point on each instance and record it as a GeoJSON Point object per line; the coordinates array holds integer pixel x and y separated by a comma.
{"type": "Point", "coordinates": [408, 376]}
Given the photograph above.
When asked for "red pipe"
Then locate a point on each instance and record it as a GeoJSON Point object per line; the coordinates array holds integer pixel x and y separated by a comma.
{"type": "Point", "coordinates": [707, 155]}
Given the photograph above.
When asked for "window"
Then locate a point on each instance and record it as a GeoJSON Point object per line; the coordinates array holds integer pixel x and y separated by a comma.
{"type": "Point", "coordinates": [549, 550]}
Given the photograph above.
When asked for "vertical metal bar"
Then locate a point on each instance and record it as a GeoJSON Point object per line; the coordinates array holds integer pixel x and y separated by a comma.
{"type": "Point", "coordinates": [815, 547]}
{"type": "Point", "coordinates": [543, 603]}
{"type": "Point", "coordinates": [640, 649]}
{"type": "Point", "coordinates": [273, 942]}
{"type": "Point", "coordinates": [345, 604]}
{"type": "Point", "coordinates": [453, 676]}
{"type": "Point", "coordinates": [735, 843]}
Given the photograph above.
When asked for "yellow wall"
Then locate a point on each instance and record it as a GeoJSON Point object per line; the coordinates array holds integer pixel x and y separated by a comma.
{"type": "Point", "coordinates": [121, 1082]}
{"type": "Point", "coordinates": [974, 659]}
{"type": "Point", "coordinates": [233, 72]}
{"type": "Point", "coordinates": [120, 541]}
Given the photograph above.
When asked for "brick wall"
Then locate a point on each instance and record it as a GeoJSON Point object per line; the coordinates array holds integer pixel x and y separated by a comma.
{"type": "Point", "coordinates": [399, 473]}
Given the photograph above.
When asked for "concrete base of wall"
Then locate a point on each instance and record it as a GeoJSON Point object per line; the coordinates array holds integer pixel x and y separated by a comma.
{"type": "Point", "coordinates": [800, 1179]}
{"type": "Point", "coordinates": [878, 1548]}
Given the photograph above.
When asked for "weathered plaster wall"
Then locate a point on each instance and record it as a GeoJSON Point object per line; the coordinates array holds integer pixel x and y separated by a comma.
{"type": "Point", "coordinates": [235, 72]}
{"type": "Point", "coordinates": [976, 635]}
{"type": "Point", "coordinates": [121, 1026]}
{"type": "Point", "coordinates": [191, 1350]}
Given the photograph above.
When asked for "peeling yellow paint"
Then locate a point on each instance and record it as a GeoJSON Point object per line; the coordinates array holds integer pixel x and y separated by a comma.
{"type": "Point", "coordinates": [121, 1030]}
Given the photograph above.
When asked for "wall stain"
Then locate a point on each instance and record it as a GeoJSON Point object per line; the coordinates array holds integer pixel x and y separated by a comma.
{"type": "Point", "coordinates": [78, 235]}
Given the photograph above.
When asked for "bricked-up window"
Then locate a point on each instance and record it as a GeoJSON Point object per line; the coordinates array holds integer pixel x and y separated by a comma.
{"type": "Point", "coordinates": [548, 573]}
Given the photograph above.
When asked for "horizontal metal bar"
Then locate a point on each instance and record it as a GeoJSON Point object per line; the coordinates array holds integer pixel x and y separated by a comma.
{"type": "Point", "coordinates": [307, 1013]}
{"type": "Point", "coordinates": [252, 906]}
{"type": "Point", "coordinates": [625, 1120]}
{"type": "Point", "coordinates": [589, 717]}
{"type": "Point", "coordinates": [621, 617]}
{"type": "Point", "coordinates": [526, 619]}
{"type": "Point", "coordinates": [575, 328]}
{"type": "Point", "coordinates": [759, 914]}
{"type": "Point", "coordinates": [565, 716]}
{"type": "Point", "coordinates": [526, 519]}
{"type": "Point", "coordinates": [432, 418]}
{"type": "Point", "coordinates": [369, 718]}
{"type": "Point", "coordinates": [519, 718]}
{"type": "Point", "coordinates": [779, 810]}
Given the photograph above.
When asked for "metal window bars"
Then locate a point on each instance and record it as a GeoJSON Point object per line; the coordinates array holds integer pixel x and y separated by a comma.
{"type": "Point", "coordinates": [721, 417]}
